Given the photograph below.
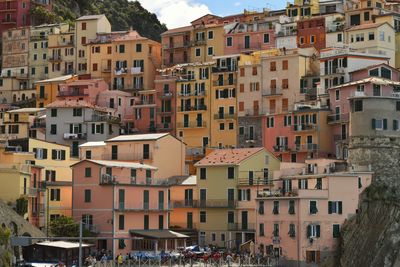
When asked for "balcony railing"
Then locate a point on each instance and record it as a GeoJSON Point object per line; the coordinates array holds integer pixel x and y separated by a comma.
{"type": "Point", "coordinates": [75, 136]}
{"type": "Point", "coordinates": [55, 58]}
{"type": "Point", "coordinates": [40, 97]}
{"type": "Point", "coordinates": [201, 124]}
{"type": "Point", "coordinates": [306, 147]}
{"type": "Point", "coordinates": [217, 203]}
{"type": "Point", "coordinates": [338, 118]}
{"type": "Point", "coordinates": [224, 69]}
{"type": "Point", "coordinates": [37, 124]}
{"type": "Point", "coordinates": [145, 206]}
{"type": "Point", "coordinates": [176, 45]}
{"type": "Point", "coordinates": [298, 193]}
{"type": "Point", "coordinates": [164, 95]}
{"type": "Point", "coordinates": [224, 116]}
{"type": "Point", "coordinates": [281, 148]}
{"type": "Point", "coordinates": [224, 82]}
{"type": "Point", "coordinates": [192, 108]}
{"type": "Point", "coordinates": [241, 227]}
{"type": "Point", "coordinates": [195, 93]}
{"type": "Point", "coordinates": [164, 110]}
{"type": "Point", "coordinates": [73, 93]}
{"type": "Point", "coordinates": [304, 127]}
{"type": "Point", "coordinates": [105, 118]}
{"type": "Point", "coordinates": [255, 181]}
{"type": "Point", "coordinates": [164, 126]}
{"type": "Point", "coordinates": [95, 229]}
{"type": "Point", "coordinates": [187, 203]}
{"type": "Point", "coordinates": [144, 102]}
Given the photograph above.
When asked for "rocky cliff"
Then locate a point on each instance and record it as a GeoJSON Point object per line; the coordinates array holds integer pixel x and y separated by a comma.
{"type": "Point", "coordinates": [372, 236]}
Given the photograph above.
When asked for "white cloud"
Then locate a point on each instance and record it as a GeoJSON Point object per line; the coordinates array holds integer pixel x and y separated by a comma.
{"type": "Point", "coordinates": [237, 4]}
{"type": "Point", "coordinates": [176, 13]}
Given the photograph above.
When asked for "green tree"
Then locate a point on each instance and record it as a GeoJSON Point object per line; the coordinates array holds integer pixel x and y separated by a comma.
{"type": "Point", "coordinates": [21, 206]}
{"type": "Point", "coordinates": [64, 226]}
{"type": "Point", "coordinates": [5, 249]}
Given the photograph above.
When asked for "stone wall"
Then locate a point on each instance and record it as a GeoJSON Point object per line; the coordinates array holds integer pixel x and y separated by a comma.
{"type": "Point", "coordinates": [246, 122]}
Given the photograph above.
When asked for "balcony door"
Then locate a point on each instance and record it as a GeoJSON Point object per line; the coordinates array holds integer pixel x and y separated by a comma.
{"type": "Point", "coordinates": [188, 197]}
{"type": "Point", "coordinates": [245, 220]}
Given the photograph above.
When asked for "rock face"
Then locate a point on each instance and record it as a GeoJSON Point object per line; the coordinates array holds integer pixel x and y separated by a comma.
{"type": "Point", "coordinates": [372, 237]}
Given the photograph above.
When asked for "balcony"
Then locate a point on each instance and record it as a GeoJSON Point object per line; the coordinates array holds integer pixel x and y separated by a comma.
{"type": "Point", "coordinates": [226, 82]}
{"type": "Point", "coordinates": [42, 97]}
{"type": "Point", "coordinates": [281, 148]}
{"type": "Point", "coordinates": [176, 45]}
{"type": "Point", "coordinates": [242, 227]}
{"type": "Point", "coordinates": [55, 58]}
{"type": "Point", "coordinates": [187, 203]}
{"type": "Point", "coordinates": [295, 193]}
{"type": "Point", "coordinates": [272, 92]}
{"type": "Point", "coordinates": [198, 42]}
{"type": "Point", "coordinates": [192, 108]}
{"type": "Point", "coordinates": [9, 21]}
{"type": "Point", "coordinates": [164, 127]}
{"type": "Point", "coordinates": [165, 95]}
{"type": "Point", "coordinates": [38, 125]}
{"type": "Point", "coordinates": [217, 203]}
{"type": "Point", "coordinates": [75, 136]}
{"type": "Point", "coordinates": [306, 147]}
{"type": "Point", "coordinates": [230, 68]}
{"type": "Point", "coordinates": [68, 72]}
{"type": "Point", "coordinates": [95, 229]}
{"type": "Point", "coordinates": [193, 125]}
{"type": "Point", "coordinates": [189, 94]}
{"type": "Point", "coordinates": [106, 179]}
{"type": "Point", "coordinates": [146, 102]}
{"type": "Point", "coordinates": [105, 118]}
{"type": "Point", "coordinates": [128, 156]}
{"type": "Point", "coordinates": [338, 118]}
{"type": "Point", "coordinates": [333, 71]}
{"type": "Point", "coordinates": [226, 116]}
{"type": "Point", "coordinates": [165, 111]}
{"type": "Point", "coordinates": [72, 93]}
{"type": "Point", "coordinates": [255, 181]}
{"type": "Point", "coordinates": [121, 71]}
{"type": "Point", "coordinates": [140, 207]}
{"type": "Point", "coordinates": [340, 138]}
{"type": "Point", "coordinates": [251, 46]}
{"type": "Point", "coordinates": [304, 127]}
{"type": "Point", "coordinates": [106, 69]}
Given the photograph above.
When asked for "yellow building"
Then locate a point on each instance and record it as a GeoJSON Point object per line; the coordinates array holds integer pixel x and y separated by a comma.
{"type": "Point", "coordinates": [56, 173]}
{"type": "Point", "coordinates": [193, 105]}
{"type": "Point", "coordinates": [47, 90]}
{"type": "Point", "coordinates": [227, 182]}
{"type": "Point", "coordinates": [208, 40]}
{"type": "Point", "coordinates": [394, 20]}
{"type": "Point", "coordinates": [302, 8]}
{"type": "Point", "coordinates": [18, 123]}
{"type": "Point", "coordinates": [135, 60]}
{"type": "Point", "coordinates": [86, 29]}
{"type": "Point", "coordinates": [223, 106]}
{"type": "Point", "coordinates": [61, 50]}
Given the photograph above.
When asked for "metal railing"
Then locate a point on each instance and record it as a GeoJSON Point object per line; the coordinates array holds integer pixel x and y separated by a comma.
{"type": "Point", "coordinates": [304, 127]}
{"type": "Point", "coordinates": [201, 124]}
{"type": "Point", "coordinates": [217, 203]}
{"type": "Point", "coordinates": [338, 118]}
{"type": "Point", "coordinates": [192, 108]}
{"type": "Point", "coordinates": [105, 118]}
{"type": "Point", "coordinates": [241, 227]}
{"type": "Point", "coordinates": [75, 136]}
{"type": "Point", "coordinates": [224, 116]}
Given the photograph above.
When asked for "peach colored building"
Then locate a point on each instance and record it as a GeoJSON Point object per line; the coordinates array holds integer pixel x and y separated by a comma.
{"type": "Point", "coordinates": [87, 90]}
{"type": "Point", "coordinates": [300, 217]}
{"type": "Point", "coordinates": [165, 86]}
{"type": "Point", "coordinates": [153, 149]}
{"type": "Point", "coordinates": [176, 46]}
{"type": "Point", "coordinates": [127, 194]}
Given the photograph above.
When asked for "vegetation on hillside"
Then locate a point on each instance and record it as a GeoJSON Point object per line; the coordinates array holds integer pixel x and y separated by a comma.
{"type": "Point", "coordinates": [122, 14]}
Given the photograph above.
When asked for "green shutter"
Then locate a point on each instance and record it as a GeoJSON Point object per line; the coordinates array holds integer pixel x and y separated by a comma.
{"type": "Point", "coordinates": [318, 227]}
{"type": "Point", "coordinates": [384, 124]}
{"type": "Point", "coordinates": [340, 207]}
{"type": "Point", "coordinates": [308, 231]}
{"type": "Point", "coordinates": [329, 207]}
{"type": "Point", "coordinates": [373, 124]}
{"type": "Point", "coordinates": [45, 153]}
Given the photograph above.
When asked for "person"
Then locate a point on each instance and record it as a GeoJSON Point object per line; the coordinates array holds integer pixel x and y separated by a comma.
{"type": "Point", "coordinates": [120, 259]}
{"type": "Point", "coordinates": [229, 259]}
{"type": "Point", "coordinates": [104, 258]}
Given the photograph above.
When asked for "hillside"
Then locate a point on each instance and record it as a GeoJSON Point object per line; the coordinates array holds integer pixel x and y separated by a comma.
{"type": "Point", "coordinates": [122, 15]}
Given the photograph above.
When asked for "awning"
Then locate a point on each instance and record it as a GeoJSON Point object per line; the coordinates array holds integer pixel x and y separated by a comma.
{"type": "Point", "coordinates": [157, 234]}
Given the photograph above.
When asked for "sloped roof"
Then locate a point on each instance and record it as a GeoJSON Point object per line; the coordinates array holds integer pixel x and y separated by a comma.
{"type": "Point", "coordinates": [158, 234]}
{"type": "Point", "coordinates": [375, 80]}
{"type": "Point", "coordinates": [57, 79]}
{"type": "Point", "coordinates": [61, 244]}
{"type": "Point", "coordinates": [90, 17]}
{"type": "Point", "coordinates": [137, 137]}
{"type": "Point", "coordinates": [120, 164]}
{"type": "Point", "coordinates": [93, 144]}
{"type": "Point", "coordinates": [222, 157]}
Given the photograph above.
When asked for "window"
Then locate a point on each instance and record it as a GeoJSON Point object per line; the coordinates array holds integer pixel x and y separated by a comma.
{"type": "Point", "coordinates": [334, 207]}
{"type": "Point", "coordinates": [336, 231]}
{"type": "Point", "coordinates": [291, 207]}
{"type": "Point", "coordinates": [266, 38]}
{"type": "Point", "coordinates": [88, 195]}
{"type": "Point", "coordinates": [203, 173]}
{"type": "Point", "coordinates": [231, 217]}
{"type": "Point", "coordinates": [261, 207]}
{"type": "Point", "coordinates": [292, 230]}
{"type": "Point", "coordinates": [229, 41]}
{"type": "Point", "coordinates": [366, 16]}
{"type": "Point", "coordinates": [339, 38]}
{"type": "Point", "coordinates": [244, 194]}
{"type": "Point", "coordinates": [261, 228]}
{"type": "Point", "coordinates": [272, 66]}
{"type": "Point", "coordinates": [382, 36]}
{"type": "Point", "coordinates": [53, 129]}
{"type": "Point", "coordinates": [379, 124]}
{"type": "Point", "coordinates": [53, 112]}
{"type": "Point", "coordinates": [146, 222]}
{"type": "Point", "coordinates": [77, 112]}
{"type": "Point", "coordinates": [313, 207]}
{"type": "Point", "coordinates": [213, 237]}
{"type": "Point", "coordinates": [358, 105]}
{"type": "Point", "coordinates": [160, 222]}
{"type": "Point", "coordinates": [313, 230]}
{"type": "Point", "coordinates": [312, 39]}
{"type": "Point", "coordinates": [301, 40]}
{"type": "Point", "coordinates": [203, 217]}
{"type": "Point", "coordinates": [270, 122]}
{"type": "Point", "coordinates": [198, 52]}
{"type": "Point", "coordinates": [88, 154]}
{"type": "Point", "coordinates": [276, 207]}
{"type": "Point", "coordinates": [50, 176]}
{"type": "Point", "coordinates": [121, 222]}
{"type": "Point", "coordinates": [121, 49]}
{"type": "Point", "coordinates": [88, 172]}
{"type": "Point", "coordinates": [40, 153]}
{"type": "Point", "coordinates": [337, 95]}
{"type": "Point", "coordinates": [138, 48]}
{"type": "Point", "coordinates": [376, 90]}
{"type": "Point", "coordinates": [83, 26]}
{"type": "Point", "coordinates": [57, 154]}
{"type": "Point", "coordinates": [83, 40]}
{"type": "Point", "coordinates": [276, 230]}
{"type": "Point", "coordinates": [222, 126]}
{"type": "Point", "coordinates": [371, 36]}
{"type": "Point", "coordinates": [303, 184]}
{"type": "Point", "coordinates": [231, 126]}
{"type": "Point", "coordinates": [210, 51]}
{"type": "Point", "coordinates": [222, 237]}
{"type": "Point", "coordinates": [55, 194]}
{"type": "Point", "coordinates": [231, 172]}
{"type": "Point", "coordinates": [285, 64]}
{"type": "Point", "coordinates": [210, 35]}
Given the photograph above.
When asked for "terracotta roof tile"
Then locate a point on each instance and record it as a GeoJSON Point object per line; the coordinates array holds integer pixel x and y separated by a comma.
{"type": "Point", "coordinates": [222, 157]}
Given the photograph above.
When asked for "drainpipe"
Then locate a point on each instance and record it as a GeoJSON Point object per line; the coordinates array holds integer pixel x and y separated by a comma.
{"type": "Point", "coordinates": [298, 235]}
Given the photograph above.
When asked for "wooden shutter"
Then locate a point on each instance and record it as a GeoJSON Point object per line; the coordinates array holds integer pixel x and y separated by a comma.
{"type": "Point", "coordinates": [384, 124]}
{"type": "Point", "coordinates": [248, 192]}
{"type": "Point", "coordinates": [329, 207]}
{"type": "Point", "coordinates": [93, 128]}
{"type": "Point", "coordinates": [35, 152]}
{"type": "Point", "coordinates": [308, 231]}
{"type": "Point", "coordinates": [373, 124]}
{"type": "Point", "coordinates": [340, 207]}
{"type": "Point", "coordinates": [53, 154]}
{"type": "Point", "coordinates": [318, 228]}
{"type": "Point", "coordinates": [239, 194]}
{"type": "Point", "coordinates": [62, 154]}
{"type": "Point", "coordinates": [45, 153]}
{"type": "Point", "coordinates": [318, 256]}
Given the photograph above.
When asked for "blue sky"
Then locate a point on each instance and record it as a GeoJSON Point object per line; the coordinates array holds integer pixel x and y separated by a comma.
{"type": "Point", "coordinates": [179, 13]}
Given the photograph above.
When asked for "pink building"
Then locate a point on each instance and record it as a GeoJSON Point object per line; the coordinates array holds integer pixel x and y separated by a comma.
{"type": "Point", "coordinates": [127, 194]}
{"type": "Point", "coordinates": [37, 191]}
{"type": "Point", "coordinates": [300, 218]}
{"type": "Point", "coordinates": [165, 84]}
{"type": "Point", "coordinates": [376, 80]}
{"type": "Point", "coordinates": [142, 115]}
{"type": "Point", "coordinates": [87, 90]}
